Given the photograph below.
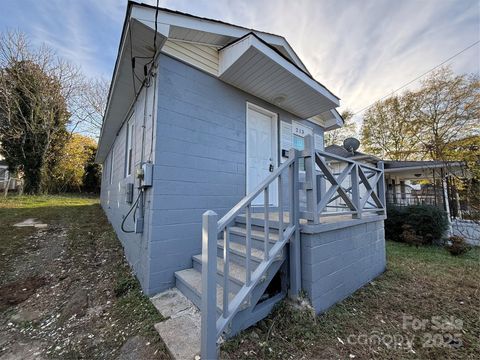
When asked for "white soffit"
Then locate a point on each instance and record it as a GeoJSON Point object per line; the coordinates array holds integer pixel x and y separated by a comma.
{"type": "Point", "coordinates": [330, 120]}
{"type": "Point", "coordinates": [200, 30]}
{"type": "Point", "coordinates": [122, 94]}
{"type": "Point", "coordinates": [252, 66]}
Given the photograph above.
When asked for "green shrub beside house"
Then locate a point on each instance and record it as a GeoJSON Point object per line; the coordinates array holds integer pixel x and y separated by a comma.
{"type": "Point", "coordinates": [417, 224]}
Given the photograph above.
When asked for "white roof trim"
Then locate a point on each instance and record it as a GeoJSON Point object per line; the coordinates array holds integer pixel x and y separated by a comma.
{"type": "Point", "coordinates": [329, 120]}
{"type": "Point", "coordinates": [305, 97]}
{"type": "Point", "coordinates": [146, 14]}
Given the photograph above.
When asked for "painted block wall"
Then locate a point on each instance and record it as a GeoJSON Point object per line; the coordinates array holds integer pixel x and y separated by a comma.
{"type": "Point", "coordinates": [337, 263]}
{"type": "Point", "coordinates": [199, 162]}
{"type": "Point", "coordinates": [112, 196]}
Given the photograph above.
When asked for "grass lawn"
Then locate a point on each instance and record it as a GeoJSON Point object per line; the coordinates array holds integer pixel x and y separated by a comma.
{"type": "Point", "coordinates": [66, 292]}
{"type": "Point", "coordinates": [425, 306]}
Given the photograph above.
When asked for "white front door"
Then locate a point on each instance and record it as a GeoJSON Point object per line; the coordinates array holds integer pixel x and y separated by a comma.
{"type": "Point", "coordinates": [262, 154]}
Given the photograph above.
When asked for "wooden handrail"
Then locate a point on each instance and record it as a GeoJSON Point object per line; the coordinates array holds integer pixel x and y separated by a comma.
{"type": "Point", "coordinates": [242, 204]}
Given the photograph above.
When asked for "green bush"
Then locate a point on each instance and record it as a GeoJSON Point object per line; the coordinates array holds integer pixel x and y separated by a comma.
{"type": "Point", "coordinates": [427, 222]}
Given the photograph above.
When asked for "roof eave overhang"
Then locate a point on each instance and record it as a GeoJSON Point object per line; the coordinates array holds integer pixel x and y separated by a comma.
{"type": "Point", "coordinates": [425, 167]}
{"type": "Point", "coordinates": [244, 65]}
{"type": "Point", "coordinates": [146, 13]}
{"type": "Point", "coordinates": [329, 120]}
{"type": "Point", "coordinates": [136, 41]}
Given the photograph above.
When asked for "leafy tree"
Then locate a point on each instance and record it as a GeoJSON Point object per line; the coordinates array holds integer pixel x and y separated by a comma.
{"type": "Point", "coordinates": [42, 99]}
{"type": "Point", "coordinates": [387, 130]}
{"type": "Point", "coordinates": [93, 174]}
{"type": "Point", "coordinates": [336, 137]}
{"type": "Point", "coordinates": [33, 118]}
{"type": "Point", "coordinates": [69, 171]}
{"type": "Point", "coordinates": [421, 124]}
{"type": "Point", "coordinates": [448, 109]}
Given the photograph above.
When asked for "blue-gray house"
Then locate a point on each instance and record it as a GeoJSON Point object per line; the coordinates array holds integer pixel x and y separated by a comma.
{"type": "Point", "coordinates": [215, 178]}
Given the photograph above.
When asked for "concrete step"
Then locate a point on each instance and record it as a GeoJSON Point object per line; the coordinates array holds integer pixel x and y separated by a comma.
{"type": "Point", "coordinates": [238, 251]}
{"type": "Point", "coordinates": [189, 282]}
{"type": "Point", "coordinates": [260, 222]}
{"type": "Point", "coordinates": [181, 331]}
{"type": "Point", "coordinates": [239, 232]}
{"type": "Point", "coordinates": [255, 233]}
{"type": "Point", "coordinates": [236, 272]}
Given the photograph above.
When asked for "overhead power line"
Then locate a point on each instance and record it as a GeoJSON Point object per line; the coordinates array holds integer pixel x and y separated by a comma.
{"type": "Point", "coordinates": [418, 77]}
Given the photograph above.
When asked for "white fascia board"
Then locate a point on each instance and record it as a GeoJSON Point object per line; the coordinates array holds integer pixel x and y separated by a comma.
{"type": "Point", "coordinates": [121, 84]}
{"type": "Point", "coordinates": [424, 167]}
{"type": "Point", "coordinates": [336, 122]}
{"type": "Point", "coordinates": [101, 155]}
{"type": "Point", "coordinates": [329, 120]}
{"type": "Point", "coordinates": [147, 16]}
{"type": "Point", "coordinates": [232, 52]}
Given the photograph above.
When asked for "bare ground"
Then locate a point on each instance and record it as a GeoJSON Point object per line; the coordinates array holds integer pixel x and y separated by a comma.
{"type": "Point", "coordinates": [65, 290]}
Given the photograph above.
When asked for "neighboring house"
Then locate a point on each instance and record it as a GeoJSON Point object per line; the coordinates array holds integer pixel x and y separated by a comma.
{"type": "Point", "coordinates": [218, 117]}
{"type": "Point", "coordinates": [418, 183]}
{"type": "Point", "coordinates": [412, 182]}
{"type": "Point", "coordinates": [6, 179]}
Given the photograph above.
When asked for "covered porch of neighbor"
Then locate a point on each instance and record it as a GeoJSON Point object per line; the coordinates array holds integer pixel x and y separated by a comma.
{"type": "Point", "coordinates": [425, 183]}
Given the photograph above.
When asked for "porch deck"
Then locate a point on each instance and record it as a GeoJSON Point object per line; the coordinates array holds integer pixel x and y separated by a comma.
{"type": "Point", "coordinates": [325, 223]}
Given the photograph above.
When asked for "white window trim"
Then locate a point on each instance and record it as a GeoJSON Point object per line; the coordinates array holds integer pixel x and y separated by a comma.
{"type": "Point", "coordinates": [112, 161]}
{"type": "Point", "coordinates": [129, 146]}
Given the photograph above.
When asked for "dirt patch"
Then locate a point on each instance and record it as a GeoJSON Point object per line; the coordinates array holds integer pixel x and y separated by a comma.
{"type": "Point", "coordinates": [66, 290]}
{"type": "Point", "coordinates": [18, 291]}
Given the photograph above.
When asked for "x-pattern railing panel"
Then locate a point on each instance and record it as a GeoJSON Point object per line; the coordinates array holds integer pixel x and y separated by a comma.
{"type": "Point", "coordinates": [360, 194]}
{"type": "Point", "coordinates": [336, 182]}
{"type": "Point", "coordinates": [370, 187]}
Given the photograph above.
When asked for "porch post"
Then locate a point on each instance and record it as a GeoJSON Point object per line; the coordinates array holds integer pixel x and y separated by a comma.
{"type": "Point", "coordinates": [311, 179]}
{"type": "Point", "coordinates": [381, 186]}
{"type": "Point", "coordinates": [295, 249]}
{"type": "Point", "coordinates": [209, 286]}
{"type": "Point", "coordinates": [355, 180]}
{"type": "Point", "coordinates": [447, 205]}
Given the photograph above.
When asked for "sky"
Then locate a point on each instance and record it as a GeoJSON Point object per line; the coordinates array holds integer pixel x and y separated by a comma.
{"type": "Point", "coordinates": [361, 50]}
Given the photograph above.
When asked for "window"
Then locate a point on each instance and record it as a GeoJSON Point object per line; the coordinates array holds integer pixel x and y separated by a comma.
{"type": "Point", "coordinates": [129, 150]}
{"type": "Point", "coordinates": [299, 132]}
{"type": "Point", "coordinates": [112, 160]}
{"type": "Point", "coordinates": [298, 142]}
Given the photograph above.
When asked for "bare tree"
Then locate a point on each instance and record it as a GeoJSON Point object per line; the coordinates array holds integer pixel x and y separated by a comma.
{"type": "Point", "coordinates": [347, 130]}
{"type": "Point", "coordinates": [88, 108]}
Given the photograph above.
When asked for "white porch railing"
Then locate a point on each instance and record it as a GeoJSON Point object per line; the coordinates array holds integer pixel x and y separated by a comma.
{"type": "Point", "coordinates": [213, 327]}
{"type": "Point", "coordinates": [325, 190]}
{"type": "Point", "coordinates": [341, 186]}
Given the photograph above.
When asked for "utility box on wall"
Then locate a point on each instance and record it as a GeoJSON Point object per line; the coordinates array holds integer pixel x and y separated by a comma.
{"type": "Point", "coordinates": [147, 174]}
{"type": "Point", "coordinates": [129, 193]}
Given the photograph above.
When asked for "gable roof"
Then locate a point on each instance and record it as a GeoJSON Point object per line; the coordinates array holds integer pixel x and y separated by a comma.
{"type": "Point", "coordinates": [276, 41]}
{"type": "Point", "coordinates": [136, 48]}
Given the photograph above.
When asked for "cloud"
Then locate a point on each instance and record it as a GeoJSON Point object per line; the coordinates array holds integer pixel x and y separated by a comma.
{"type": "Point", "coordinates": [361, 50]}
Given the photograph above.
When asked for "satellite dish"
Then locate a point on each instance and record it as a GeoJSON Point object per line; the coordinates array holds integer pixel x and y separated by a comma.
{"type": "Point", "coordinates": [351, 144]}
